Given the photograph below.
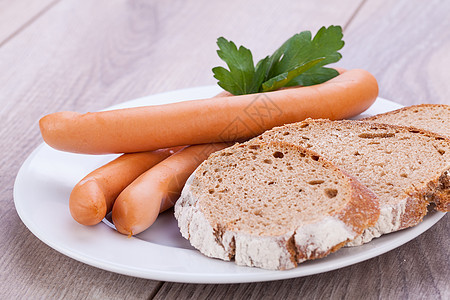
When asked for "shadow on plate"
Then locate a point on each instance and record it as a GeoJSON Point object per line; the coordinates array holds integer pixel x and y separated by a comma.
{"type": "Point", "coordinates": [163, 232]}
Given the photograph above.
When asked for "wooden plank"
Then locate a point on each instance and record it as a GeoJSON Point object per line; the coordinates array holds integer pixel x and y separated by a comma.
{"type": "Point", "coordinates": [405, 45]}
{"type": "Point", "coordinates": [56, 58]}
{"type": "Point", "coordinates": [18, 14]}
{"type": "Point", "coordinates": [90, 59]}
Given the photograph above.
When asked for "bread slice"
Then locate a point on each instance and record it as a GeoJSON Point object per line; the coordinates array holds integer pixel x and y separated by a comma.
{"type": "Point", "coordinates": [272, 206]}
{"type": "Point", "coordinates": [431, 117]}
{"type": "Point", "coordinates": [405, 167]}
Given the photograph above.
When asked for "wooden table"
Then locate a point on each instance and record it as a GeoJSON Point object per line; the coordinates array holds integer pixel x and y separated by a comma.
{"type": "Point", "coordinates": [85, 55]}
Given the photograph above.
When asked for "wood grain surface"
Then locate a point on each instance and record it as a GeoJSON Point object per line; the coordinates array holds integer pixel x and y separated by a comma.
{"type": "Point", "coordinates": [85, 55]}
{"type": "Point", "coordinates": [19, 14]}
{"type": "Point", "coordinates": [406, 45]}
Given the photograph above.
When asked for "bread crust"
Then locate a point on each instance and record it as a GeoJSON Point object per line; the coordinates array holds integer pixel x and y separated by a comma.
{"type": "Point", "coordinates": [405, 109]}
{"type": "Point", "coordinates": [309, 241]}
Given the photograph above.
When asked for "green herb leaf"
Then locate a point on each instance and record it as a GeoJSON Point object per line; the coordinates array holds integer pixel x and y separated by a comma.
{"type": "Point", "coordinates": [239, 79]}
{"type": "Point", "coordinates": [284, 79]}
{"type": "Point", "coordinates": [262, 67]}
{"type": "Point", "coordinates": [326, 43]}
{"type": "Point", "coordinates": [314, 77]}
{"type": "Point", "coordinates": [299, 61]}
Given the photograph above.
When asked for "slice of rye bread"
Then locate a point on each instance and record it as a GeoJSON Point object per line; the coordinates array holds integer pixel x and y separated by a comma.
{"type": "Point", "coordinates": [272, 206]}
{"type": "Point", "coordinates": [405, 167]}
{"type": "Point", "coordinates": [431, 117]}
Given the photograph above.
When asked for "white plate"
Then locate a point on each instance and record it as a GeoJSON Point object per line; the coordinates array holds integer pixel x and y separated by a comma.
{"type": "Point", "coordinates": [41, 194]}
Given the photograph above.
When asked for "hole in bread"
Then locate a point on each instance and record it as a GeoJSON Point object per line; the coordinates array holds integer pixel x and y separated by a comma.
{"type": "Point", "coordinates": [370, 135]}
{"type": "Point", "coordinates": [254, 147]}
{"type": "Point", "coordinates": [220, 179]}
{"type": "Point", "coordinates": [331, 193]}
{"type": "Point", "coordinates": [404, 175]}
{"type": "Point", "coordinates": [305, 138]}
{"type": "Point", "coordinates": [204, 173]}
{"type": "Point", "coordinates": [211, 191]}
{"type": "Point", "coordinates": [315, 157]}
{"type": "Point", "coordinates": [267, 161]}
{"type": "Point", "coordinates": [290, 168]}
{"type": "Point", "coordinates": [304, 125]}
{"type": "Point", "coordinates": [439, 139]}
{"type": "Point", "coordinates": [286, 133]}
{"type": "Point", "coordinates": [278, 154]}
{"type": "Point", "coordinates": [308, 146]}
{"type": "Point", "coordinates": [441, 151]}
{"type": "Point", "coordinates": [315, 182]}
{"type": "Point", "coordinates": [356, 153]}
{"type": "Point", "coordinates": [414, 131]}
{"type": "Point", "coordinates": [270, 183]}
{"type": "Point", "coordinates": [216, 170]}
{"type": "Point", "coordinates": [300, 190]}
{"type": "Point", "coordinates": [258, 213]}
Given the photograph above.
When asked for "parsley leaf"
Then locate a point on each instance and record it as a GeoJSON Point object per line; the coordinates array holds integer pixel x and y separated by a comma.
{"type": "Point", "coordinates": [262, 67]}
{"type": "Point", "coordinates": [299, 61]}
{"type": "Point", "coordinates": [239, 79]}
{"type": "Point", "coordinates": [286, 78]}
{"type": "Point", "coordinates": [326, 43]}
{"type": "Point", "coordinates": [313, 77]}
